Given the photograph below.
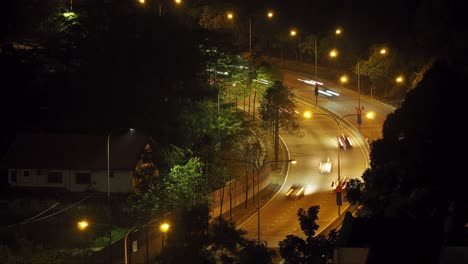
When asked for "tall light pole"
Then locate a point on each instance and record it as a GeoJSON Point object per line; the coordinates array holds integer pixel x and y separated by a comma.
{"type": "Point", "coordinates": [316, 78]}
{"type": "Point", "coordinates": [164, 228]}
{"type": "Point", "coordinates": [338, 32]}
{"type": "Point", "coordinates": [125, 243]}
{"type": "Point", "coordinates": [258, 168]}
{"type": "Point", "coordinates": [108, 192]}
{"type": "Point", "coordinates": [108, 196]}
{"type": "Point", "coordinates": [250, 35]}
{"type": "Point", "coordinates": [270, 14]}
{"type": "Point", "coordinates": [161, 5]}
{"type": "Point", "coordinates": [338, 120]}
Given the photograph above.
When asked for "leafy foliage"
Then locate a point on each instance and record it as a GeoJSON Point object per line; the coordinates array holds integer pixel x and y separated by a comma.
{"type": "Point", "coordinates": [185, 184]}
{"type": "Point", "coordinates": [314, 249]}
{"type": "Point", "coordinates": [195, 241]}
{"type": "Point", "coordinates": [278, 108]}
{"type": "Point", "coordinates": [278, 111]}
{"type": "Point", "coordinates": [407, 163]}
{"type": "Point", "coordinates": [354, 191]}
{"type": "Point", "coordinates": [308, 219]}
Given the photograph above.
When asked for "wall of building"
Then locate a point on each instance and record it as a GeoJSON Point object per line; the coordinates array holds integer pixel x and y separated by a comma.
{"type": "Point", "coordinates": [120, 181]}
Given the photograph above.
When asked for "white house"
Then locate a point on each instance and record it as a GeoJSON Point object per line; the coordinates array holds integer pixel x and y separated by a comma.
{"type": "Point", "coordinates": [73, 162]}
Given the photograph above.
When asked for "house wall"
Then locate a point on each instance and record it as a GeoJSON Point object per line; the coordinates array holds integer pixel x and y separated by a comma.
{"type": "Point", "coordinates": [120, 181]}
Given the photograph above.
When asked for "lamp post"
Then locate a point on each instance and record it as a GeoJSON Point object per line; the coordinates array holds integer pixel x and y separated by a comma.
{"type": "Point", "coordinates": [338, 32]}
{"type": "Point", "coordinates": [108, 193]}
{"type": "Point", "coordinates": [164, 228]}
{"type": "Point", "coordinates": [125, 243]}
{"type": "Point", "coordinates": [316, 78]}
{"type": "Point", "coordinates": [270, 14]}
{"type": "Point", "coordinates": [338, 120]}
{"type": "Point", "coordinates": [108, 196]}
{"type": "Point", "coordinates": [161, 5]}
{"type": "Point", "coordinates": [258, 169]}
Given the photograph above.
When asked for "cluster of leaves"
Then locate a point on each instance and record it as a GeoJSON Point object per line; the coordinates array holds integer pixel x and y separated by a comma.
{"type": "Point", "coordinates": [314, 249]}
{"type": "Point", "coordinates": [409, 177]}
{"type": "Point", "coordinates": [277, 111]}
{"type": "Point", "coordinates": [195, 240]}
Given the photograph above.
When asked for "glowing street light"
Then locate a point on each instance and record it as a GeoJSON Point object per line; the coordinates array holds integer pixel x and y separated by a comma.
{"type": "Point", "coordinates": [333, 53]}
{"type": "Point", "coordinates": [269, 14]}
{"type": "Point", "coordinates": [82, 225]}
{"type": "Point", "coordinates": [160, 5]}
{"type": "Point", "coordinates": [399, 79]}
{"type": "Point", "coordinates": [338, 120]}
{"type": "Point", "coordinates": [338, 31]}
{"type": "Point", "coordinates": [293, 33]}
{"type": "Point", "coordinates": [344, 79]}
{"type": "Point", "coordinates": [164, 229]}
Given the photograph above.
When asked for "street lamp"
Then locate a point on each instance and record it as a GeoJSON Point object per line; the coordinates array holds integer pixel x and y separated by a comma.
{"type": "Point", "coordinates": [82, 225]}
{"type": "Point", "coordinates": [344, 79]}
{"type": "Point", "coordinates": [108, 192]}
{"type": "Point", "coordinates": [258, 168]}
{"type": "Point", "coordinates": [333, 53]}
{"type": "Point", "coordinates": [338, 31]}
{"type": "Point", "coordinates": [164, 229]}
{"type": "Point", "coordinates": [161, 5]}
{"type": "Point", "coordinates": [308, 115]}
{"type": "Point", "coordinates": [269, 14]}
{"type": "Point", "coordinates": [383, 52]}
{"type": "Point", "coordinates": [399, 79]}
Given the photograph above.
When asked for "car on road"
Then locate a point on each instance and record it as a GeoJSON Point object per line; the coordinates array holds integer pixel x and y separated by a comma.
{"type": "Point", "coordinates": [344, 142]}
{"type": "Point", "coordinates": [325, 166]}
{"type": "Point", "coordinates": [296, 191]}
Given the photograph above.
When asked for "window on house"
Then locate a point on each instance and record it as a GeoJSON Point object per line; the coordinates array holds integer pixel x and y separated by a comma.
{"type": "Point", "coordinates": [13, 175]}
{"type": "Point", "coordinates": [54, 177]}
{"type": "Point", "coordinates": [25, 173]}
{"type": "Point", "coordinates": [83, 178]}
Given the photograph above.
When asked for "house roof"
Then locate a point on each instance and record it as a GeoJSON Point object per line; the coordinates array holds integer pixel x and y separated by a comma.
{"type": "Point", "coordinates": [73, 151]}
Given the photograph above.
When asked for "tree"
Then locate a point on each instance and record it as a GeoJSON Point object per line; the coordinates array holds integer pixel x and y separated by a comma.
{"type": "Point", "coordinates": [264, 75]}
{"type": "Point", "coordinates": [354, 191]}
{"type": "Point", "coordinates": [186, 185]}
{"type": "Point", "coordinates": [253, 252]}
{"type": "Point", "coordinates": [407, 179]}
{"type": "Point", "coordinates": [314, 249]}
{"type": "Point", "coordinates": [278, 111]}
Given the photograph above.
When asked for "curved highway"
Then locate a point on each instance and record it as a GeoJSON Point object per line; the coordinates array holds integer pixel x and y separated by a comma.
{"type": "Point", "coordinates": [316, 142]}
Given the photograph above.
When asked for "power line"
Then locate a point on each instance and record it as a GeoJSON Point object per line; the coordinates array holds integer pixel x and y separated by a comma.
{"type": "Point", "coordinates": [48, 216]}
